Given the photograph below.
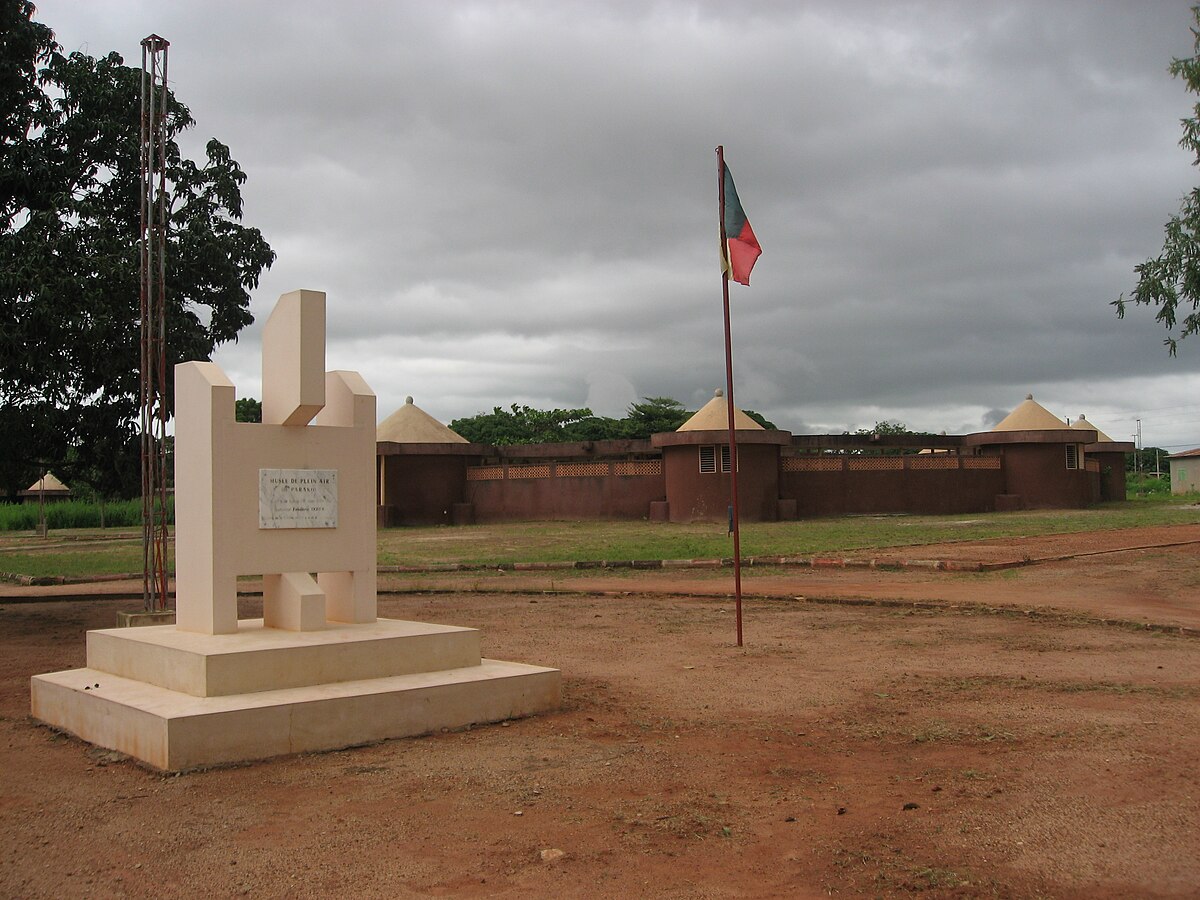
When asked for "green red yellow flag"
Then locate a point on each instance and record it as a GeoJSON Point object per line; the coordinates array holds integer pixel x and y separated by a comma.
{"type": "Point", "coordinates": [741, 248]}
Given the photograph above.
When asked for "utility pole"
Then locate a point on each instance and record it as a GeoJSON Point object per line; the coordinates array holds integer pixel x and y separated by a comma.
{"type": "Point", "coordinates": [152, 244]}
{"type": "Point", "coordinates": [1138, 445]}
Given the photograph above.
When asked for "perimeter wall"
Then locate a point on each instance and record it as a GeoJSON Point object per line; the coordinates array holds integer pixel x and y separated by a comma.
{"type": "Point", "coordinates": [829, 484]}
{"type": "Point", "coordinates": [779, 479]}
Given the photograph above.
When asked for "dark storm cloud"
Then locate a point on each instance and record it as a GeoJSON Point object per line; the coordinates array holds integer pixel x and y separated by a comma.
{"type": "Point", "coordinates": [515, 202]}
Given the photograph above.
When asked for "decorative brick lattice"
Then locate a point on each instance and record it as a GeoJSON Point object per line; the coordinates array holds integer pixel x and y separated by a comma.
{"type": "Point", "coordinates": [515, 472]}
{"type": "Point", "coordinates": [643, 467]}
{"type": "Point", "coordinates": [812, 464]}
{"type": "Point", "coordinates": [981, 462]}
{"type": "Point", "coordinates": [940, 461]}
{"type": "Point", "coordinates": [581, 470]}
{"type": "Point", "coordinates": [875, 463]}
{"type": "Point", "coordinates": [485, 473]}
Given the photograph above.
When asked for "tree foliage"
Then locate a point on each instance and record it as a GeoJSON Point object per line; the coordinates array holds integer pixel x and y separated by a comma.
{"type": "Point", "coordinates": [247, 409]}
{"type": "Point", "coordinates": [881, 431]}
{"type": "Point", "coordinates": [69, 276]}
{"type": "Point", "coordinates": [653, 415]}
{"type": "Point", "coordinates": [525, 425]}
{"type": "Point", "coordinates": [761, 419]}
{"type": "Point", "coordinates": [885, 427]}
{"type": "Point", "coordinates": [1171, 280]}
{"type": "Point", "coordinates": [1148, 459]}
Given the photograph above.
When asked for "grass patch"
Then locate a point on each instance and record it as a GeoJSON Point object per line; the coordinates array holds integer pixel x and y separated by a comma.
{"type": "Point", "coordinates": [68, 514]}
{"type": "Point", "coordinates": [564, 541]}
{"type": "Point", "coordinates": [82, 552]}
{"type": "Point", "coordinates": [934, 731]}
{"type": "Point", "coordinates": [932, 879]}
{"type": "Point", "coordinates": [116, 559]}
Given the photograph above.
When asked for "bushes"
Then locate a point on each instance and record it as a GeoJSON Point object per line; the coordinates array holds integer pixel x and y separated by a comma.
{"type": "Point", "coordinates": [1147, 485]}
{"type": "Point", "coordinates": [75, 514]}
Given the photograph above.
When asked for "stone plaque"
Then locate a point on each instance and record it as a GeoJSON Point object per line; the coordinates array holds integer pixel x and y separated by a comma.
{"type": "Point", "coordinates": [297, 498]}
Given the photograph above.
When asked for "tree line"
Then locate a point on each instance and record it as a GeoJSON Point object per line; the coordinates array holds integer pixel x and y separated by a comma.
{"type": "Point", "coordinates": [525, 425]}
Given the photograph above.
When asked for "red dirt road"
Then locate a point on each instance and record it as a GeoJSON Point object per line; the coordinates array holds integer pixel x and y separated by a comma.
{"type": "Point", "coordinates": [964, 750]}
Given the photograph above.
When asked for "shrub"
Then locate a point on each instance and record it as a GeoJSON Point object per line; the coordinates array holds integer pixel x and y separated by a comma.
{"type": "Point", "coordinates": [1147, 485]}
{"type": "Point", "coordinates": [75, 514]}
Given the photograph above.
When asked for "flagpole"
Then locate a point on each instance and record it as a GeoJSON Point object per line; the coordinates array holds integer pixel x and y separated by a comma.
{"type": "Point", "coordinates": [733, 459]}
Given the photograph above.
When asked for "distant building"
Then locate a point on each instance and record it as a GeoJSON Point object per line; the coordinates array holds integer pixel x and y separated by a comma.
{"type": "Point", "coordinates": [696, 467]}
{"type": "Point", "coordinates": [1185, 472]}
{"type": "Point", "coordinates": [48, 487]}
{"type": "Point", "coordinates": [421, 470]}
{"type": "Point", "coordinates": [1031, 460]}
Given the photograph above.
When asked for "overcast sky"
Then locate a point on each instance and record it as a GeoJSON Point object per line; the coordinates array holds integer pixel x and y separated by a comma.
{"type": "Point", "coordinates": [516, 202]}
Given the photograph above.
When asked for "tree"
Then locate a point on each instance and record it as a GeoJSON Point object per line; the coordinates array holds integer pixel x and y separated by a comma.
{"type": "Point", "coordinates": [1171, 280]}
{"type": "Point", "coordinates": [69, 222]}
{"type": "Point", "coordinates": [653, 415]}
{"type": "Point", "coordinates": [526, 425]}
{"type": "Point", "coordinates": [247, 409]}
{"type": "Point", "coordinates": [761, 420]}
{"type": "Point", "coordinates": [882, 431]}
{"type": "Point", "coordinates": [1148, 460]}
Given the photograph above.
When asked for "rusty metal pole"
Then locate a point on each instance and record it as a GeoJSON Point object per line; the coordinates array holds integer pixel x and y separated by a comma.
{"type": "Point", "coordinates": [733, 460]}
{"type": "Point", "coordinates": [152, 264]}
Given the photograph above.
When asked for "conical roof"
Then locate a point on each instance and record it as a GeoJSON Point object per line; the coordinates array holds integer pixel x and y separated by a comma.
{"type": "Point", "coordinates": [1083, 423]}
{"type": "Point", "coordinates": [1030, 416]}
{"type": "Point", "coordinates": [412, 425]}
{"type": "Point", "coordinates": [48, 483]}
{"type": "Point", "coordinates": [714, 416]}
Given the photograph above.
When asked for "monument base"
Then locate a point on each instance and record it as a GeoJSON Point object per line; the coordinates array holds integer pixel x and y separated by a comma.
{"type": "Point", "coordinates": [142, 619]}
{"type": "Point", "coordinates": [171, 698]}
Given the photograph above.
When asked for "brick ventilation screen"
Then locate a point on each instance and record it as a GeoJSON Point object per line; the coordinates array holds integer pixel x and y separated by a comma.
{"type": "Point", "coordinates": [530, 471]}
{"type": "Point", "coordinates": [580, 470]}
{"type": "Point", "coordinates": [807, 464]}
{"type": "Point", "coordinates": [645, 467]}
{"type": "Point", "coordinates": [981, 462]}
{"type": "Point", "coordinates": [875, 463]}
{"type": "Point", "coordinates": [485, 473]}
{"type": "Point", "coordinates": [945, 461]}
{"type": "Point", "coordinates": [566, 470]}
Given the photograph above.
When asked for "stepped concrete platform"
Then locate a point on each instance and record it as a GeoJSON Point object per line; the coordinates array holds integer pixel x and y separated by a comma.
{"type": "Point", "coordinates": [180, 700]}
{"type": "Point", "coordinates": [256, 658]}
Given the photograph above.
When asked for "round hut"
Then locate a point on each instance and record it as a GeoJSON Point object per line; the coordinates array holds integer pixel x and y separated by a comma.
{"type": "Point", "coordinates": [421, 470]}
{"type": "Point", "coordinates": [696, 466]}
{"type": "Point", "coordinates": [1044, 461]}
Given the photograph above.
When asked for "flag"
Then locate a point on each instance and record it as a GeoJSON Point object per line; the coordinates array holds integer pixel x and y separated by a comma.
{"type": "Point", "coordinates": [741, 249]}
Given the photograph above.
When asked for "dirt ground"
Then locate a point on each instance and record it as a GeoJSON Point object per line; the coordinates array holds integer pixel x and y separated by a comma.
{"type": "Point", "coordinates": [1007, 733]}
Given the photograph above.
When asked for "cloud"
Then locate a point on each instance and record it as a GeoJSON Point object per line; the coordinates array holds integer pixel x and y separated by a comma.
{"type": "Point", "coordinates": [515, 202]}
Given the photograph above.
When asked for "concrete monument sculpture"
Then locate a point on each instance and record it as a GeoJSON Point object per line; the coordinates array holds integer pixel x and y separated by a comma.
{"type": "Point", "coordinates": [285, 498]}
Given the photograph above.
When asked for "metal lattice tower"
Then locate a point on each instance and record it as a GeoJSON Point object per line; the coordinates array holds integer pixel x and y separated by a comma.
{"type": "Point", "coordinates": [152, 242]}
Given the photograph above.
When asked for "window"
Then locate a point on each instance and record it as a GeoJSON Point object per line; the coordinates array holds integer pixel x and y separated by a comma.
{"type": "Point", "coordinates": [708, 459]}
{"type": "Point", "coordinates": [1072, 456]}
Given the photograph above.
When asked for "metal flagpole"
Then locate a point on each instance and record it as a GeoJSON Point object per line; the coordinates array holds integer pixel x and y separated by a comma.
{"type": "Point", "coordinates": [733, 460]}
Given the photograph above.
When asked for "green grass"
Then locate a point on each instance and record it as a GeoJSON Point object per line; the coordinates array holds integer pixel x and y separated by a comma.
{"type": "Point", "coordinates": [559, 541]}
{"type": "Point", "coordinates": [67, 514]}
{"type": "Point", "coordinates": [84, 558]}
{"type": "Point", "coordinates": [82, 552]}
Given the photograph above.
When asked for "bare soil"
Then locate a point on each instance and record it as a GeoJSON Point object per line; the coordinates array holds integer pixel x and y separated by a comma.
{"type": "Point", "coordinates": [1006, 733]}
